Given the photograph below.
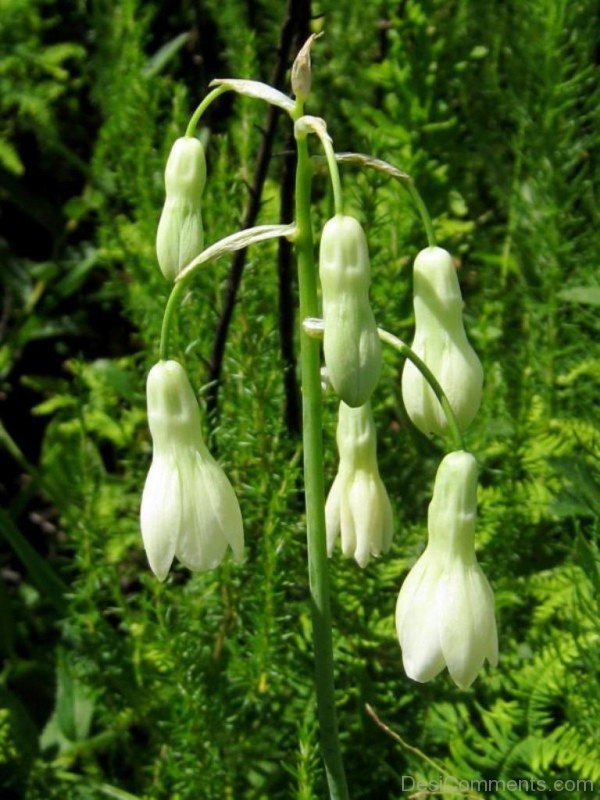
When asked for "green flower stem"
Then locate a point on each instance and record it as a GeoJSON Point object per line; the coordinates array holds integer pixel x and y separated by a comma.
{"type": "Point", "coordinates": [422, 209]}
{"type": "Point", "coordinates": [314, 484]}
{"type": "Point", "coordinates": [195, 118]}
{"type": "Point", "coordinates": [334, 174]}
{"type": "Point", "coordinates": [362, 160]}
{"type": "Point", "coordinates": [229, 244]}
{"type": "Point", "coordinates": [458, 442]}
{"type": "Point", "coordinates": [169, 318]}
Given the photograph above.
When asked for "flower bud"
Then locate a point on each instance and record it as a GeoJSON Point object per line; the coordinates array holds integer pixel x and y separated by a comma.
{"type": "Point", "coordinates": [350, 340]}
{"type": "Point", "coordinates": [180, 235]}
{"type": "Point", "coordinates": [301, 69]}
{"type": "Point", "coordinates": [441, 342]}
{"type": "Point", "coordinates": [358, 506]}
{"type": "Point", "coordinates": [445, 610]}
{"type": "Point", "coordinates": [189, 508]}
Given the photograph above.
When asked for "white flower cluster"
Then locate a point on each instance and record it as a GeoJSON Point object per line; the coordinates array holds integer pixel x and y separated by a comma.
{"type": "Point", "coordinates": [445, 610]}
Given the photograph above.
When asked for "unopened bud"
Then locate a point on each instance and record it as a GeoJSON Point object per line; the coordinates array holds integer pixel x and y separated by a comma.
{"type": "Point", "coordinates": [441, 341]}
{"type": "Point", "coordinates": [350, 343]}
{"type": "Point", "coordinates": [301, 69]}
{"type": "Point", "coordinates": [180, 235]}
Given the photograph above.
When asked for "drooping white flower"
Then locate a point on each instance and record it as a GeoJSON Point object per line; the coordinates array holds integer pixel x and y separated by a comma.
{"type": "Point", "coordinates": [189, 508]}
{"type": "Point", "coordinates": [358, 506]}
{"type": "Point", "coordinates": [445, 611]}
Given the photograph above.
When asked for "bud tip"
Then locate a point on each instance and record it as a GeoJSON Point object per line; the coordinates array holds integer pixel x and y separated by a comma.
{"type": "Point", "coordinates": [301, 69]}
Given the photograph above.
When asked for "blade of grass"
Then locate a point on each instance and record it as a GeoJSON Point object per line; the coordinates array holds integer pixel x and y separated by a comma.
{"type": "Point", "coordinates": [41, 573]}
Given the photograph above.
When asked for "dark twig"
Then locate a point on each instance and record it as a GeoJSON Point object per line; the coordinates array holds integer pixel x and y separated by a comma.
{"type": "Point", "coordinates": [286, 302]}
{"type": "Point", "coordinates": [284, 256]}
{"type": "Point", "coordinates": [286, 40]}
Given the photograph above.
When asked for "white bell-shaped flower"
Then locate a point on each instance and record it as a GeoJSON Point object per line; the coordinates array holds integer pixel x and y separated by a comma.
{"type": "Point", "coordinates": [189, 508]}
{"type": "Point", "coordinates": [445, 610]}
{"type": "Point", "coordinates": [358, 506]}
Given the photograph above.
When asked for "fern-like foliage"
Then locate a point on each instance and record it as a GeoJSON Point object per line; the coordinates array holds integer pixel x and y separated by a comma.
{"type": "Point", "coordinates": [34, 75]}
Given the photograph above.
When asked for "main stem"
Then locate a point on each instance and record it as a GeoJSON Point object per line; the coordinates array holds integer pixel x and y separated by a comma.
{"type": "Point", "coordinates": [314, 487]}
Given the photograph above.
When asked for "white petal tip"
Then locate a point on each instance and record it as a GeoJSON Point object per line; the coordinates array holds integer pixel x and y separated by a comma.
{"type": "Point", "coordinates": [160, 573]}
{"type": "Point", "coordinates": [362, 559]}
{"type": "Point", "coordinates": [464, 678]}
{"type": "Point", "coordinates": [422, 670]}
{"type": "Point", "coordinates": [463, 685]}
{"type": "Point", "coordinates": [414, 673]}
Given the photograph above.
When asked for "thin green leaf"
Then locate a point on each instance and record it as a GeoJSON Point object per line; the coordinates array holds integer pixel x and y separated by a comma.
{"type": "Point", "coordinates": [166, 53]}
{"type": "Point", "coordinates": [585, 295]}
{"type": "Point", "coordinates": [40, 572]}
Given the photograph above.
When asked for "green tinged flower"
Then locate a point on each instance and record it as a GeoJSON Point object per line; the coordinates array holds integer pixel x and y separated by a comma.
{"type": "Point", "coordinates": [441, 342]}
{"type": "Point", "coordinates": [358, 506]}
{"type": "Point", "coordinates": [445, 610]}
{"type": "Point", "coordinates": [180, 235]}
{"type": "Point", "coordinates": [350, 340]}
{"type": "Point", "coordinates": [189, 508]}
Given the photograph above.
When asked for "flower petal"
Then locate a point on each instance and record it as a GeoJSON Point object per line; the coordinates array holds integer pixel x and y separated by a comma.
{"type": "Point", "coordinates": [212, 517]}
{"type": "Point", "coordinates": [332, 514]}
{"type": "Point", "coordinates": [160, 515]}
{"type": "Point", "coordinates": [467, 623]}
{"type": "Point", "coordinates": [227, 508]}
{"type": "Point", "coordinates": [387, 529]}
{"type": "Point", "coordinates": [200, 545]}
{"type": "Point", "coordinates": [363, 501]}
{"type": "Point", "coordinates": [347, 529]}
{"type": "Point", "coordinates": [488, 623]}
{"type": "Point", "coordinates": [417, 612]}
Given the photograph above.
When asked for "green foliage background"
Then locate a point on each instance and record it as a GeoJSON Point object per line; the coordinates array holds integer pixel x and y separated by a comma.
{"type": "Point", "coordinates": [201, 688]}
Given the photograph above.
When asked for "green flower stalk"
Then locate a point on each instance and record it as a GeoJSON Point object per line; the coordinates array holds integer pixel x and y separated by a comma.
{"type": "Point", "coordinates": [358, 507]}
{"type": "Point", "coordinates": [312, 438]}
{"type": "Point", "coordinates": [189, 509]}
{"type": "Point", "coordinates": [180, 235]}
{"type": "Point", "coordinates": [445, 610]}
